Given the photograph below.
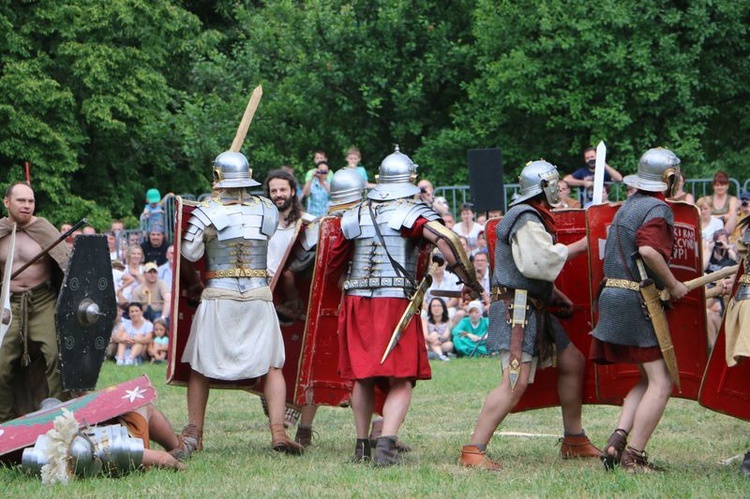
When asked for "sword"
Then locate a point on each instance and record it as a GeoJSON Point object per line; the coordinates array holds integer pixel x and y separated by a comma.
{"type": "Point", "coordinates": [445, 293]}
{"type": "Point", "coordinates": [415, 304]}
{"type": "Point", "coordinates": [7, 316]}
{"type": "Point", "coordinates": [699, 282]}
{"type": "Point", "coordinates": [247, 118]}
{"type": "Point", "coordinates": [601, 164]}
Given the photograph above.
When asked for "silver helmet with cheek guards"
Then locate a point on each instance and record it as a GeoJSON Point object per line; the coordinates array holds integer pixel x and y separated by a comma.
{"type": "Point", "coordinates": [658, 170]}
{"type": "Point", "coordinates": [539, 177]}
{"type": "Point", "coordinates": [232, 170]}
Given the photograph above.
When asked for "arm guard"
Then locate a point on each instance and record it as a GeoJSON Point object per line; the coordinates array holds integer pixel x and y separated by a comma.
{"type": "Point", "coordinates": [457, 257]}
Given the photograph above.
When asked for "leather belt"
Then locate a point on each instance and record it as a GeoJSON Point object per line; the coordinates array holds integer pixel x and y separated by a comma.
{"type": "Point", "coordinates": [238, 272]}
{"type": "Point", "coordinates": [376, 283]}
{"type": "Point", "coordinates": [622, 284]}
{"type": "Point", "coordinates": [507, 295]}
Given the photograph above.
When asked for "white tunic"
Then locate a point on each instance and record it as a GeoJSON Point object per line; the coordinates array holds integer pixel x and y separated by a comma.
{"type": "Point", "coordinates": [233, 335]}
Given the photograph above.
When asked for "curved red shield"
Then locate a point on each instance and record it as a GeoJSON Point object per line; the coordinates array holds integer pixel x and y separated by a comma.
{"type": "Point", "coordinates": [687, 319]}
{"type": "Point", "coordinates": [725, 389]}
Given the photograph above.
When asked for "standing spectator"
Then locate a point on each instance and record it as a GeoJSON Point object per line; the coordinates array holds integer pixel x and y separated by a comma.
{"type": "Point", "coordinates": [566, 201]}
{"type": "Point", "coordinates": [353, 157]}
{"type": "Point", "coordinates": [470, 334]}
{"type": "Point", "coordinates": [317, 190]}
{"type": "Point", "coordinates": [583, 178]}
{"type": "Point", "coordinates": [153, 211]}
{"type": "Point", "coordinates": [153, 294]}
{"type": "Point", "coordinates": [155, 247]}
{"type": "Point", "coordinates": [724, 206]}
{"type": "Point", "coordinates": [165, 269]}
{"type": "Point", "coordinates": [680, 194]}
{"type": "Point", "coordinates": [318, 156]}
{"type": "Point", "coordinates": [133, 337]}
{"type": "Point", "coordinates": [468, 228]}
{"type": "Point", "coordinates": [437, 329]}
{"type": "Point", "coordinates": [709, 225]}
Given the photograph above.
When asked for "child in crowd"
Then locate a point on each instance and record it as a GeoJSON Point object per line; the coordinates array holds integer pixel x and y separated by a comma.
{"type": "Point", "coordinates": [159, 347]}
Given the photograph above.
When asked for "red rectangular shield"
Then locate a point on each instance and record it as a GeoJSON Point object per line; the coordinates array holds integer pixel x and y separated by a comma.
{"type": "Point", "coordinates": [726, 389]}
{"type": "Point", "coordinates": [687, 320]}
{"type": "Point", "coordinates": [92, 409]}
{"type": "Point", "coordinates": [575, 281]}
{"type": "Point", "coordinates": [319, 381]}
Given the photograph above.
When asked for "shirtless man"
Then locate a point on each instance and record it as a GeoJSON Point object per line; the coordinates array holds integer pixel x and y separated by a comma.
{"type": "Point", "coordinates": [32, 301]}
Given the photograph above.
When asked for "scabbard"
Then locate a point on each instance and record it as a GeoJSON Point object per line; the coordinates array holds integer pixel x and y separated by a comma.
{"type": "Point", "coordinates": [658, 319]}
{"type": "Point", "coordinates": [517, 312]}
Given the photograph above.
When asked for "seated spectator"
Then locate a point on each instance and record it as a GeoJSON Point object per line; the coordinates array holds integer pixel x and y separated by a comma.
{"type": "Point", "coordinates": [468, 228]}
{"type": "Point", "coordinates": [437, 329]}
{"type": "Point", "coordinates": [159, 346]}
{"type": "Point", "coordinates": [680, 194]}
{"type": "Point", "coordinates": [481, 245]}
{"type": "Point", "coordinates": [133, 274]}
{"type": "Point", "coordinates": [470, 334]}
{"type": "Point", "coordinates": [133, 337]}
{"type": "Point", "coordinates": [153, 293]}
{"type": "Point", "coordinates": [709, 223]}
{"type": "Point", "coordinates": [443, 281]}
{"type": "Point", "coordinates": [448, 220]}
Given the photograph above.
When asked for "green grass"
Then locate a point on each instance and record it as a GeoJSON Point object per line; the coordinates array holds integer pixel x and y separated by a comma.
{"type": "Point", "coordinates": [238, 461]}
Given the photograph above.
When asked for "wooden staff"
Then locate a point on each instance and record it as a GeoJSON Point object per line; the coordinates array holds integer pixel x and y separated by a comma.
{"type": "Point", "coordinates": [247, 118]}
{"type": "Point", "coordinates": [699, 282]}
{"type": "Point", "coordinates": [46, 250]}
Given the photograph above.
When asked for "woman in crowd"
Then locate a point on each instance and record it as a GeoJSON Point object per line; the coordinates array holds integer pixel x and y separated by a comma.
{"type": "Point", "coordinates": [724, 206]}
{"type": "Point", "coordinates": [437, 329]}
{"type": "Point", "coordinates": [681, 194]}
{"type": "Point", "coordinates": [132, 275]}
{"type": "Point", "coordinates": [133, 337]}
{"type": "Point", "coordinates": [468, 228]}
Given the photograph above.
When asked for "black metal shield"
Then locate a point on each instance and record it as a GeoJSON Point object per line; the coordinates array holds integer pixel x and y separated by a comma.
{"type": "Point", "coordinates": [85, 313]}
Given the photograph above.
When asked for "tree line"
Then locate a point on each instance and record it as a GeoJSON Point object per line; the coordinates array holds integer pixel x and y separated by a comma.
{"type": "Point", "coordinates": [107, 99]}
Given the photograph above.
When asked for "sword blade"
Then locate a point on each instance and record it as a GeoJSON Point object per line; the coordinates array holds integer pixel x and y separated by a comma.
{"type": "Point", "coordinates": [601, 161]}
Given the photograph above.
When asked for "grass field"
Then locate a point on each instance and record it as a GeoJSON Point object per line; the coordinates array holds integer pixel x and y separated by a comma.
{"type": "Point", "coordinates": [238, 462]}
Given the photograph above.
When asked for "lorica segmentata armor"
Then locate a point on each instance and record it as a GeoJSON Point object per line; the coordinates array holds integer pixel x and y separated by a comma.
{"type": "Point", "coordinates": [236, 256]}
{"type": "Point", "coordinates": [372, 273]}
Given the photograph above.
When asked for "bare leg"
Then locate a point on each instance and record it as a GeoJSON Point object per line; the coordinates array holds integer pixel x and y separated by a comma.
{"type": "Point", "coordinates": [396, 406]}
{"type": "Point", "coordinates": [275, 392]}
{"type": "Point", "coordinates": [570, 388]}
{"type": "Point", "coordinates": [632, 400]}
{"type": "Point", "coordinates": [308, 415]}
{"type": "Point", "coordinates": [363, 401]}
{"type": "Point", "coordinates": [498, 404]}
{"type": "Point", "coordinates": [159, 429]}
{"type": "Point", "coordinates": [197, 399]}
{"type": "Point", "coordinates": [653, 403]}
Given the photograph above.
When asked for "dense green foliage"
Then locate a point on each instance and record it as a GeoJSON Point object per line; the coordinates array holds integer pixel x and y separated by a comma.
{"type": "Point", "coordinates": [107, 99]}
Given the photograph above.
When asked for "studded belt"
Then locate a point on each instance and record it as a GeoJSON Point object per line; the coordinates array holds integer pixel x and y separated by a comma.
{"type": "Point", "coordinates": [238, 272]}
{"type": "Point", "coordinates": [622, 284]}
{"type": "Point", "coordinates": [376, 282]}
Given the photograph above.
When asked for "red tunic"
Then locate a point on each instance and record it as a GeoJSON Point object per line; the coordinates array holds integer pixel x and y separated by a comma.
{"type": "Point", "coordinates": [365, 328]}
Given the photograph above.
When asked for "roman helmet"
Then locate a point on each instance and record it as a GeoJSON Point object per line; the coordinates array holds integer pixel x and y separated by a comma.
{"type": "Point", "coordinates": [232, 170]}
{"type": "Point", "coordinates": [396, 178]}
{"type": "Point", "coordinates": [658, 170]}
{"type": "Point", "coordinates": [347, 186]}
{"type": "Point", "coordinates": [539, 177]}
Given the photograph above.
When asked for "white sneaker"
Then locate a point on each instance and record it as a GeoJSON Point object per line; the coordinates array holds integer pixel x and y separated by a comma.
{"type": "Point", "coordinates": [120, 362]}
{"type": "Point", "coordinates": [444, 358]}
{"type": "Point", "coordinates": [128, 361]}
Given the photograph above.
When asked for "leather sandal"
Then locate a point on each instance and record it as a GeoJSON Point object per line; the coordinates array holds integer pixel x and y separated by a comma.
{"type": "Point", "coordinates": [472, 457]}
{"type": "Point", "coordinates": [612, 453]}
{"type": "Point", "coordinates": [636, 461]}
{"type": "Point", "coordinates": [189, 441]}
{"type": "Point", "coordinates": [574, 446]}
